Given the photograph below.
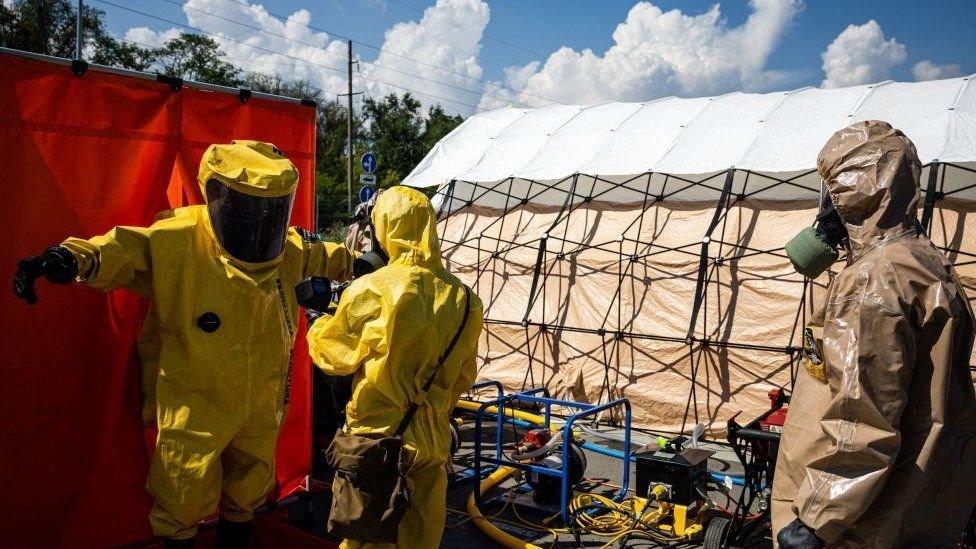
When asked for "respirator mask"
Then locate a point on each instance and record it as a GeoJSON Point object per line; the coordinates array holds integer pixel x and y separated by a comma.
{"type": "Point", "coordinates": [814, 249]}
{"type": "Point", "coordinates": [371, 260]}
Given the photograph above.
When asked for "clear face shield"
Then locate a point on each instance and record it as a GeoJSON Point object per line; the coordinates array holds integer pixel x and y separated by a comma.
{"type": "Point", "coordinates": [249, 228]}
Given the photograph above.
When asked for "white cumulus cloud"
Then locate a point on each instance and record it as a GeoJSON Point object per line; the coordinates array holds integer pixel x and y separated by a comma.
{"type": "Point", "coordinates": [657, 53]}
{"type": "Point", "coordinates": [437, 57]}
{"type": "Point", "coordinates": [288, 48]}
{"type": "Point", "coordinates": [144, 36]}
{"type": "Point", "coordinates": [256, 41]}
{"type": "Point", "coordinates": [927, 70]}
{"type": "Point", "coordinates": [861, 55]}
{"type": "Point", "coordinates": [447, 36]}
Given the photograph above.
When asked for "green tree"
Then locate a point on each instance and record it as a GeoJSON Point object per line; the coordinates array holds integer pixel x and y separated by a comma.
{"type": "Point", "coordinates": [393, 127]}
{"type": "Point", "coordinates": [48, 27]}
{"type": "Point", "coordinates": [330, 160]}
{"type": "Point", "coordinates": [274, 84]}
{"type": "Point", "coordinates": [196, 57]}
{"type": "Point", "coordinates": [395, 130]}
{"type": "Point", "coordinates": [437, 125]}
{"type": "Point", "coordinates": [401, 135]}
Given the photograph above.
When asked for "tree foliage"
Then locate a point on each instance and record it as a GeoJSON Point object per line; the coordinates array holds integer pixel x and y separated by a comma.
{"type": "Point", "coordinates": [198, 58]}
{"type": "Point", "coordinates": [49, 27]}
{"type": "Point", "coordinates": [437, 125]}
{"type": "Point", "coordinates": [274, 84]}
{"type": "Point", "coordinates": [401, 135]}
{"type": "Point", "coordinates": [395, 127]}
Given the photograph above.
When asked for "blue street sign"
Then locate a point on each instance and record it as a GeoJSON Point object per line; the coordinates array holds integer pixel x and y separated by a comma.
{"type": "Point", "coordinates": [365, 193]}
{"type": "Point", "coordinates": [368, 162]}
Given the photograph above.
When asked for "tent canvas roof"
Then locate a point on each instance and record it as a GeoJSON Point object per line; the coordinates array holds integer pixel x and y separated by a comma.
{"type": "Point", "coordinates": [778, 134]}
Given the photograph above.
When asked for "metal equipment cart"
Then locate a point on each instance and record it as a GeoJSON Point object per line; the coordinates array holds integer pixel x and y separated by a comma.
{"type": "Point", "coordinates": [541, 397]}
{"type": "Point", "coordinates": [756, 445]}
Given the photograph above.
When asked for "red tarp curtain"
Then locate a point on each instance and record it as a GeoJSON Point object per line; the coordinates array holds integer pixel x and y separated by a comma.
{"type": "Point", "coordinates": [80, 155]}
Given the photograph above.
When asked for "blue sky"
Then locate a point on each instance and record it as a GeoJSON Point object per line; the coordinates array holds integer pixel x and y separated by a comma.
{"type": "Point", "coordinates": [480, 41]}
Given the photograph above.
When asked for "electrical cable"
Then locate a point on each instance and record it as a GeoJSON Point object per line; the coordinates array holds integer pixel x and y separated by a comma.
{"type": "Point", "coordinates": [400, 55]}
{"type": "Point", "coordinates": [610, 452]}
{"type": "Point", "coordinates": [325, 50]}
{"type": "Point", "coordinates": [616, 519]}
{"type": "Point", "coordinates": [554, 532]}
{"type": "Point", "coordinates": [600, 434]}
{"type": "Point", "coordinates": [589, 513]}
{"type": "Point", "coordinates": [510, 413]}
{"type": "Point", "coordinates": [503, 538]}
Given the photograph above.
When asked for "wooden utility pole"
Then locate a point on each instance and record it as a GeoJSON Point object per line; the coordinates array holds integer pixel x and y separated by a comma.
{"type": "Point", "coordinates": [78, 24]}
{"type": "Point", "coordinates": [350, 138]}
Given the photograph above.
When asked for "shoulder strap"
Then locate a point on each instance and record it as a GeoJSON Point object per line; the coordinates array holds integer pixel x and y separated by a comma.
{"type": "Point", "coordinates": [408, 417]}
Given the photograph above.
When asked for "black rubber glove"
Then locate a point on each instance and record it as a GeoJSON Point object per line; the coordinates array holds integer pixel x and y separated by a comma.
{"type": "Point", "coordinates": [797, 535]}
{"type": "Point", "coordinates": [58, 265]}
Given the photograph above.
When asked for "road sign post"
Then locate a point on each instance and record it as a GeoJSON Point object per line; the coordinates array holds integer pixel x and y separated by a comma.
{"type": "Point", "coordinates": [368, 163]}
{"type": "Point", "coordinates": [368, 177]}
{"type": "Point", "coordinates": [365, 193]}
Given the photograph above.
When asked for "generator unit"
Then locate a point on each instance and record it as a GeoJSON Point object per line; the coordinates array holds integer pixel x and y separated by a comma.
{"type": "Point", "coordinates": [682, 472]}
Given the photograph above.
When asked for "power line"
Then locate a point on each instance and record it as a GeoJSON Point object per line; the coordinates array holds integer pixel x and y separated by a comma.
{"type": "Point", "coordinates": [485, 34]}
{"type": "Point", "coordinates": [237, 60]}
{"type": "Point", "coordinates": [273, 52]}
{"type": "Point", "coordinates": [325, 50]}
{"type": "Point", "coordinates": [400, 55]}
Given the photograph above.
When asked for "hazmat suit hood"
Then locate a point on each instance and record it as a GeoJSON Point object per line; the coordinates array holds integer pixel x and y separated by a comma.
{"type": "Point", "coordinates": [406, 228]}
{"type": "Point", "coordinates": [871, 172]}
{"type": "Point", "coordinates": [249, 188]}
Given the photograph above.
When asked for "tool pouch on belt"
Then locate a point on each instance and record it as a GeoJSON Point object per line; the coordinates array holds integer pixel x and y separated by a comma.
{"type": "Point", "coordinates": [369, 492]}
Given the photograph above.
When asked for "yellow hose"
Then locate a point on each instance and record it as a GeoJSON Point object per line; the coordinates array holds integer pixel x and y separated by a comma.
{"type": "Point", "coordinates": [492, 531]}
{"type": "Point", "coordinates": [528, 417]}
{"type": "Point", "coordinates": [497, 477]}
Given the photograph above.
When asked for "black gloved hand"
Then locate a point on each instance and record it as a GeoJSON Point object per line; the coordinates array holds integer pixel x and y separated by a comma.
{"type": "Point", "coordinates": [797, 535]}
{"type": "Point", "coordinates": [57, 264]}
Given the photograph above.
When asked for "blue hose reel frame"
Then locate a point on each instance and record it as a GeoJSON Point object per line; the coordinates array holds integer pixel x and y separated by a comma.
{"type": "Point", "coordinates": [542, 397]}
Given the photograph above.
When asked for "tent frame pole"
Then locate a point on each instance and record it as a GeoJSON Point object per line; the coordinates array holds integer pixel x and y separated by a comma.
{"type": "Point", "coordinates": [555, 246]}
{"type": "Point", "coordinates": [931, 195]}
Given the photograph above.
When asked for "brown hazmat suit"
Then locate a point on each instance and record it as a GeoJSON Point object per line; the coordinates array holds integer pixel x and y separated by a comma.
{"type": "Point", "coordinates": [883, 453]}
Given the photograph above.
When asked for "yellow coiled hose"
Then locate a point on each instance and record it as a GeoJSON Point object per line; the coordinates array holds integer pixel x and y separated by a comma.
{"type": "Point", "coordinates": [496, 478]}
{"type": "Point", "coordinates": [617, 522]}
{"type": "Point", "coordinates": [487, 527]}
{"type": "Point", "coordinates": [527, 417]}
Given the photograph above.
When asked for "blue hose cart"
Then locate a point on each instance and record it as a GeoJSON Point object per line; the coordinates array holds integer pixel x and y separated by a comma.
{"type": "Point", "coordinates": [546, 402]}
{"type": "Point", "coordinates": [469, 474]}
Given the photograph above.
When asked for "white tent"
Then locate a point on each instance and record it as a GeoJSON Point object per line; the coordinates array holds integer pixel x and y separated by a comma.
{"type": "Point", "coordinates": [778, 134]}
{"type": "Point", "coordinates": [635, 249]}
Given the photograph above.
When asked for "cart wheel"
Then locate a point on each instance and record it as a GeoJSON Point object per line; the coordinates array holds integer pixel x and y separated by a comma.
{"type": "Point", "coordinates": [716, 532]}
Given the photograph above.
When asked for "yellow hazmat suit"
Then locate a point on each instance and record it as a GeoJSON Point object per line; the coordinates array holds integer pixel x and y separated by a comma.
{"type": "Point", "coordinates": [879, 447]}
{"type": "Point", "coordinates": [226, 329]}
{"type": "Point", "coordinates": [389, 329]}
